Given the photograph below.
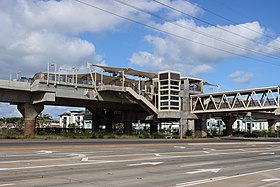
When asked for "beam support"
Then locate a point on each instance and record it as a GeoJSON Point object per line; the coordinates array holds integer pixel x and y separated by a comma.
{"type": "Point", "coordinates": [228, 120]}
{"type": "Point", "coordinates": [153, 128]}
{"type": "Point", "coordinates": [201, 127]}
{"type": "Point", "coordinates": [29, 113]}
{"type": "Point", "coordinates": [271, 125]}
{"type": "Point", "coordinates": [129, 117]}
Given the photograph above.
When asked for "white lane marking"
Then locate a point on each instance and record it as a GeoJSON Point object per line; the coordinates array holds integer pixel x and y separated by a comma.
{"type": "Point", "coordinates": [44, 152]}
{"type": "Point", "coordinates": [209, 149]}
{"type": "Point", "coordinates": [76, 155]}
{"type": "Point", "coordinates": [88, 152]}
{"type": "Point", "coordinates": [179, 147]}
{"type": "Point", "coordinates": [125, 155]}
{"type": "Point", "coordinates": [119, 161]}
{"type": "Point", "coordinates": [57, 165]}
{"type": "Point", "coordinates": [7, 185]}
{"type": "Point", "coordinates": [215, 170]}
{"type": "Point", "coordinates": [72, 156]}
{"type": "Point", "coordinates": [198, 164]}
{"type": "Point", "coordinates": [146, 163]}
{"type": "Point", "coordinates": [270, 184]}
{"type": "Point", "coordinates": [84, 159]}
{"type": "Point", "coordinates": [35, 160]}
{"type": "Point", "coordinates": [272, 153]}
{"type": "Point", "coordinates": [192, 183]}
{"type": "Point", "coordinates": [270, 180]}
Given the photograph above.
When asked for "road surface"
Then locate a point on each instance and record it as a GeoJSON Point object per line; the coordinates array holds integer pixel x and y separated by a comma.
{"type": "Point", "coordinates": [161, 163]}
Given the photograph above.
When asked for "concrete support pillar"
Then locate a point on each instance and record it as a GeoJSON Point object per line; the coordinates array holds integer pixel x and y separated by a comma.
{"type": "Point", "coordinates": [229, 122]}
{"type": "Point", "coordinates": [200, 127]}
{"type": "Point", "coordinates": [95, 125]}
{"type": "Point", "coordinates": [109, 121]}
{"type": "Point", "coordinates": [96, 118]}
{"type": "Point", "coordinates": [271, 125]}
{"type": "Point", "coordinates": [153, 128]}
{"type": "Point", "coordinates": [127, 127]}
{"type": "Point", "coordinates": [109, 127]}
{"type": "Point", "coordinates": [187, 124]}
{"type": "Point", "coordinates": [29, 113]}
{"type": "Point", "coordinates": [129, 117]}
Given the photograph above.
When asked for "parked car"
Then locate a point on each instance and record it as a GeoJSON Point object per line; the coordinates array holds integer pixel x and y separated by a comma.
{"type": "Point", "coordinates": [251, 135]}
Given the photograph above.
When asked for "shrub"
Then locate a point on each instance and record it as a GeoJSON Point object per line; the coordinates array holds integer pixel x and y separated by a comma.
{"type": "Point", "coordinates": [189, 133]}
{"type": "Point", "coordinates": [144, 135]}
{"type": "Point", "coordinates": [176, 136]}
{"type": "Point", "coordinates": [158, 135]}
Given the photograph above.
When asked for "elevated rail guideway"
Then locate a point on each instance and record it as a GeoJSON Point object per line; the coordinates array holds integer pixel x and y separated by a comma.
{"type": "Point", "coordinates": [138, 96]}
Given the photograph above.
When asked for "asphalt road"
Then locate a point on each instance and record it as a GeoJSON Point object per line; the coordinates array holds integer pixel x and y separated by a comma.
{"type": "Point", "coordinates": [140, 163]}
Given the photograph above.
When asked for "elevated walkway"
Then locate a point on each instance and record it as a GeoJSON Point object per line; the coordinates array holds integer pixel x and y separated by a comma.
{"type": "Point", "coordinates": [259, 99]}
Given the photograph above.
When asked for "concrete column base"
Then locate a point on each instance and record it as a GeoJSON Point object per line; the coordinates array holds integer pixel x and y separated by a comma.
{"type": "Point", "coordinates": [229, 122]}
{"type": "Point", "coordinates": [187, 125]}
{"type": "Point", "coordinates": [95, 126]}
{"type": "Point", "coordinates": [200, 128]}
{"type": "Point", "coordinates": [109, 127]}
{"type": "Point", "coordinates": [29, 126]}
{"type": "Point", "coordinates": [29, 113]}
{"type": "Point", "coordinates": [127, 127]}
{"type": "Point", "coordinates": [153, 128]}
{"type": "Point", "coordinates": [271, 125]}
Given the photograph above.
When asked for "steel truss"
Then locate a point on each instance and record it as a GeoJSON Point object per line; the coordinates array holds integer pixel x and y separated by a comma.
{"type": "Point", "coordinates": [243, 100]}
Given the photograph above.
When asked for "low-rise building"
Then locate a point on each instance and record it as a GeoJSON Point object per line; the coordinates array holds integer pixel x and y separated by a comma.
{"type": "Point", "coordinates": [72, 118]}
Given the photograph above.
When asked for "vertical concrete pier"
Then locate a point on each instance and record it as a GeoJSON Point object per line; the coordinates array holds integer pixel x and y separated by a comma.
{"type": "Point", "coordinates": [153, 127]}
{"type": "Point", "coordinates": [201, 127]}
{"type": "Point", "coordinates": [271, 125]}
{"type": "Point", "coordinates": [29, 113]}
{"type": "Point", "coordinates": [228, 120]}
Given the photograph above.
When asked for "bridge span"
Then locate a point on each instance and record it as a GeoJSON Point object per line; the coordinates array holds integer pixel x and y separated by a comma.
{"type": "Point", "coordinates": [259, 99]}
{"type": "Point", "coordinates": [149, 97]}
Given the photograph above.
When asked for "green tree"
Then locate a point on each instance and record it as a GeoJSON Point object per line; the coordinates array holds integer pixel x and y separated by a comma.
{"type": "Point", "coordinates": [43, 119]}
{"type": "Point", "coordinates": [72, 126]}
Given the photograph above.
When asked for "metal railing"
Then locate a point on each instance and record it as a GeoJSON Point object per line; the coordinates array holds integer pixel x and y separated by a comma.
{"type": "Point", "coordinates": [96, 80]}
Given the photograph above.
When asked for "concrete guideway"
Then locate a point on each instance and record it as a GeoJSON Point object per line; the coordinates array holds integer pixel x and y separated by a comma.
{"type": "Point", "coordinates": [139, 97]}
{"type": "Point", "coordinates": [230, 164]}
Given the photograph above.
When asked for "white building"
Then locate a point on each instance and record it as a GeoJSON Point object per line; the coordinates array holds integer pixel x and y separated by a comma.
{"type": "Point", "coordinates": [257, 125]}
{"type": "Point", "coordinates": [72, 117]}
{"type": "Point", "coordinates": [243, 126]}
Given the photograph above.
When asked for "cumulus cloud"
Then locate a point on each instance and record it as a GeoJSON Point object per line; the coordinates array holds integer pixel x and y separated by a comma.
{"type": "Point", "coordinates": [241, 77]}
{"type": "Point", "coordinates": [34, 33]}
{"type": "Point", "coordinates": [194, 53]}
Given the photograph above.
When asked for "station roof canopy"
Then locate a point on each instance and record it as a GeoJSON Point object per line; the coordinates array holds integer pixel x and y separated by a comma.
{"type": "Point", "coordinates": [128, 71]}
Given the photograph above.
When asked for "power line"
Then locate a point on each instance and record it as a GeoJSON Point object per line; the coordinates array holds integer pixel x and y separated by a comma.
{"type": "Point", "coordinates": [171, 34]}
{"type": "Point", "coordinates": [231, 21]}
{"type": "Point", "coordinates": [211, 24]}
{"type": "Point", "coordinates": [198, 32]}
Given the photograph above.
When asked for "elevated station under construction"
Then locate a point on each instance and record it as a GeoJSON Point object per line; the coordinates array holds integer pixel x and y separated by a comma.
{"type": "Point", "coordinates": [124, 95]}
